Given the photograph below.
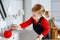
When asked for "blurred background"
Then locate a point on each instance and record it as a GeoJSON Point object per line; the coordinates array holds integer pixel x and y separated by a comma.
{"type": "Point", "coordinates": [18, 11]}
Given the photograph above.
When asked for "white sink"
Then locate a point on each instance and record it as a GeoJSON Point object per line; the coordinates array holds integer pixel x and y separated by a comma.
{"type": "Point", "coordinates": [27, 35]}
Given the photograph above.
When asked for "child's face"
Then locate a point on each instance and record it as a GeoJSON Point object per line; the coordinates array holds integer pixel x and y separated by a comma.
{"type": "Point", "coordinates": [36, 14]}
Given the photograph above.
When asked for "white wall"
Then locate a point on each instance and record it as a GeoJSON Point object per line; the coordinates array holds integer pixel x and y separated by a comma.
{"type": "Point", "coordinates": [6, 4]}
{"type": "Point", "coordinates": [27, 8]}
{"type": "Point", "coordinates": [27, 11]}
{"type": "Point", "coordinates": [12, 7]}
{"type": "Point", "coordinates": [55, 12]}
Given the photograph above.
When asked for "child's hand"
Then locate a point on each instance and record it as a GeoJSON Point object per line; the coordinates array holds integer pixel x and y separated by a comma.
{"type": "Point", "coordinates": [14, 27]}
{"type": "Point", "coordinates": [39, 37]}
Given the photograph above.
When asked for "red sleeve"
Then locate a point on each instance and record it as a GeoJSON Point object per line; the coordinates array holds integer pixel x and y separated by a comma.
{"type": "Point", "coordinates": [45, 26]}
{"type": "Point", "coordinates": [27, 23]}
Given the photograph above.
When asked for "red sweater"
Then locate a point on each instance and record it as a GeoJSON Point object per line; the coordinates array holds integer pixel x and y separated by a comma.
{"type": "Point", "coordinates": [44, 24]}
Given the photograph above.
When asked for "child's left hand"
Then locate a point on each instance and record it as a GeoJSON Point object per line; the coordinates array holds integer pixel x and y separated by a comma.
{"type": "Point", "coordinates": [40, 36]}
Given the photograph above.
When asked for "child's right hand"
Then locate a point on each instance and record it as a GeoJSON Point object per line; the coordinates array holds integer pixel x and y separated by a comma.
{"type": "Point", "coordinates": [16, 27]}
{"type": "Point", "coordinates": [13, 27]}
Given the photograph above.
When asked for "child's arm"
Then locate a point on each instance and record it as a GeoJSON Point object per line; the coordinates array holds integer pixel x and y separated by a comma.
{"type": "Point", "coordinates": [27, 23]}
{"type": "Point", "coordinates": [45, 26]}
{"type": "Point", "coordinates": [22, 25]}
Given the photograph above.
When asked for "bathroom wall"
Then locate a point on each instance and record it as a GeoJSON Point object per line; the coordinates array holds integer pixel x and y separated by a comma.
{"type": "Point", "coordinates": [55, 12]}
{"type": "Point", "coordinates": [12, 6]}
{"type": "Point", "coordinates": [14, 11]}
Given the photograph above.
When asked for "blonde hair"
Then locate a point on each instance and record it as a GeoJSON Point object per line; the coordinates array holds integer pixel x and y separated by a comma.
{"type": "Point", "coordinates": [38, 7]}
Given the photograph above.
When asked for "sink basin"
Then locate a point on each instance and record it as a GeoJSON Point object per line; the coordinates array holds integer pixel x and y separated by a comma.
{"type": "Point", "coordinates": [27, 35]}
{"type": "Point", "coordinates": [22, 35]}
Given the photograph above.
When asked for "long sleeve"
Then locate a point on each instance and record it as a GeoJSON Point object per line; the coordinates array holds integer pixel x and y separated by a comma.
{"type": "Point", "coordinates": [45, 26]}
{"type": "Point", "coordinates": [27, 23]}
